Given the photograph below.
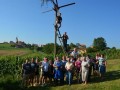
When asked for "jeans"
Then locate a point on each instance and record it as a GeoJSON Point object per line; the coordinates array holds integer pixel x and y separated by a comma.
{"type": "Point", "coordinates": [69, 77]}
{"type": "Point", "coordinates": [65, 45]}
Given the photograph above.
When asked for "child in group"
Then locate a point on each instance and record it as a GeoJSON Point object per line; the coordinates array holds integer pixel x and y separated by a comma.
{"type": "Point", "coordinates": [102, 65]}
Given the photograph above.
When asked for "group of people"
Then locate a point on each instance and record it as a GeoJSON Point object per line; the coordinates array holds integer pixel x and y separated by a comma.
{"type": "Point", "coordinates": [61, 71]}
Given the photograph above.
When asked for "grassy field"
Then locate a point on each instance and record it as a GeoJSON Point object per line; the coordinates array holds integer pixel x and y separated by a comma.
{"type": "Point", "coordinates": [111, 81]}
{"type": "Point", "coordinates": [5, 46]}
{"type": "Point", "coordinates": [6, 49]}
{"type": "Point", "coordinates": [17, 52]}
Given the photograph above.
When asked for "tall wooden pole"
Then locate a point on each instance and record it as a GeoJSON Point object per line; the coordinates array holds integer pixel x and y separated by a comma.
{"type": "Point", "coordinates": [55, 28]}
{"type": "Point", "coordinates": [55, 42]}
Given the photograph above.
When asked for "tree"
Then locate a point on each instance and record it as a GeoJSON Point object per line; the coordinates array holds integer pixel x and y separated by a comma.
{"type": "Point", "coordinates": [72, 45]}
{"type": "Point", "coordinates": [28, 45]}
{"type": "Point", "coordinates": [48, 48]}
{"type": "Point", "coordinates": [113, 48]}
{"type": "Point", "coordinates": [91, 50]}
{"type": "Point", "coordinates": [99, 43]}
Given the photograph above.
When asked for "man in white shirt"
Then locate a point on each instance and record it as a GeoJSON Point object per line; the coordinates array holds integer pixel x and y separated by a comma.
{"type": "Point", "coordinates": [45, 65]}
{"type": "Point", "coordinates": [75, 54]}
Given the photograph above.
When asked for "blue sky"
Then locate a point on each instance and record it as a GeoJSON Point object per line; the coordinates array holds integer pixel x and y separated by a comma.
{"type": "Point", "coordinates": [84, 21]}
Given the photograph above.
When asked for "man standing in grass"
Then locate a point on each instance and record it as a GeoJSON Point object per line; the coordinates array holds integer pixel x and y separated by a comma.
{"type": "Point", "coordinates": [33, 70]}
{"type": "Point", "coordinates": [26, 73]}
{"type": "Point", "coordinates": [37, 72]}
{"type": "Point", "coordinates": [45, 65]}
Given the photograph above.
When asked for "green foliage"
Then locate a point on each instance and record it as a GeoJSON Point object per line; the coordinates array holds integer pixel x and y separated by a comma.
{"type": "Point", "coordinates": [91, 50]}
{"type": "Point", "coordinates": [49, 48]}
{"type": "Point", "coordinates": [109, 53]}
{"type": "Point", "coordinates": [38, 55]}
{"type": "Point", "coordinates": [99, 43]}
{"type": "Point", "coordinates": [113, 53]}
{"type": "Point", "coordinates": [5, 46]}
{"type": "Point", "coordinates": [9, 65]}
{"type": "Point", "coordinates": [71, 46]}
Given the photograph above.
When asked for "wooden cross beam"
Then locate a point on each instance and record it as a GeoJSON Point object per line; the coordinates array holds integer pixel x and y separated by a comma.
{"type": "Point", "coordinates": [58, 7]}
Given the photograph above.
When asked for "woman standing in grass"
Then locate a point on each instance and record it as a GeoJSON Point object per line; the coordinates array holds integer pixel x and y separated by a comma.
{"type": "Point", "coordinates": [85, 70]}
{"type": "Point", "coordinates": [37, 72]}
{"type": "Point", "coordinates": [41, 74]}
{"type": "Point", "coordinates": [78, 69]}
{"type": "Point", "coordinates": [69, 67]}
{"type": "Point", "coordinates": [96, 64]}
{"type": "Point", "coordinates": [64, 61]}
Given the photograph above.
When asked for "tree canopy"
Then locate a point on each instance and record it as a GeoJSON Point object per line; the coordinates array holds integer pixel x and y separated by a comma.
{"type": "Point", "coordinates": [99, 43]}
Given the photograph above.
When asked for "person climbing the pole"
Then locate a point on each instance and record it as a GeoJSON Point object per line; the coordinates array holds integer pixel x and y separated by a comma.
{"type": "Point", "coordinates": [65, 38]}
{"type": "Point", "coordinates": [58, 21]}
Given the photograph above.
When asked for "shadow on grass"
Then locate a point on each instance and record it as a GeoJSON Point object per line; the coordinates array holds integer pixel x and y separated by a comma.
{"type": "Point", "coordinates": [10, 85]}
{"type": "Point", "coordinates": [112, 75]}
{"type": "Point", "coordinates": [109, 76]}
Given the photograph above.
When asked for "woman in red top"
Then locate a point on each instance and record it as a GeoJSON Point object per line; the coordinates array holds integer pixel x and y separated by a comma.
{"type": "Point", "coordinates": [78, 69]}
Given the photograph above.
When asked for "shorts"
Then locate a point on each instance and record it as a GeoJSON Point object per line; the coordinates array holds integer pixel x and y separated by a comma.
{"type": "Point", "coordinates": [46, 74]}
{"type": "Point", "coordinates": [26, 77]}
{"type": "Point", "coordinates": [36, 73]}
{"type": "Point", "coordinates": [32, 75]}
{"type": "Point", "coordinates": [102, 69]}
{"type": "Point", "coordinates": [51, 75]}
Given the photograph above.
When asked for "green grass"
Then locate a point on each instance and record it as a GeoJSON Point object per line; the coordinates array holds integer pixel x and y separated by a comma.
{"type": "Point", "coordinates": [6, 49]}
{"type": "Point", "coordinates": [18, 52]}
{"type": "Point", "coordinates": [5, 46]}
{"type": "Point", "coordinates": [111, 81]}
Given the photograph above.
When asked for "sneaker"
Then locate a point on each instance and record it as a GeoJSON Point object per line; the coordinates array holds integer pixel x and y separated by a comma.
{"type": "Point", "coordinates": [42, 85]}
{"type": "Point", "coordinates": [69, 84]}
